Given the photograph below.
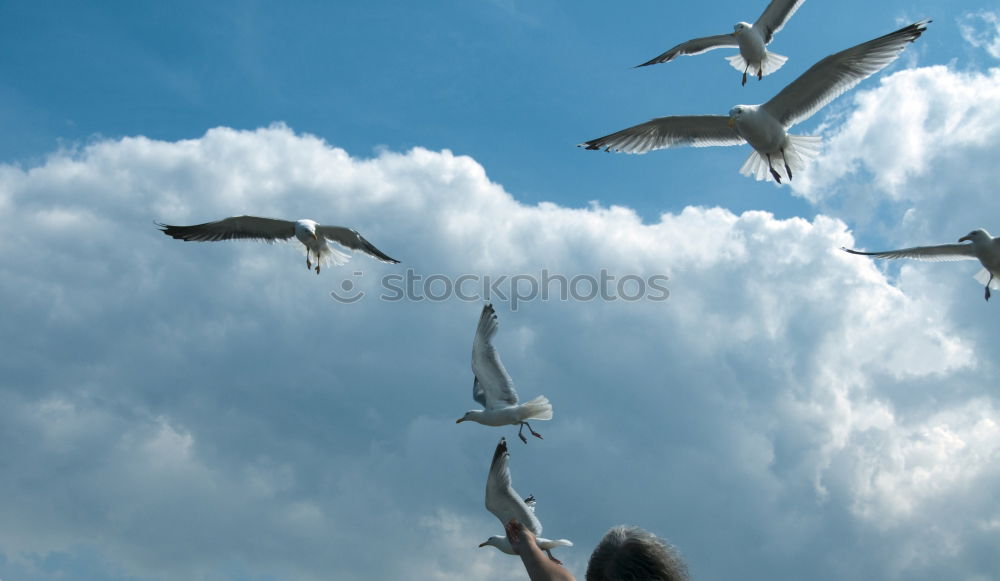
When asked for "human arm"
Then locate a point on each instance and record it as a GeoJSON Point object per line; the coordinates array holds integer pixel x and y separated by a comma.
{"type": "Point", "coordinates": [538, 565]}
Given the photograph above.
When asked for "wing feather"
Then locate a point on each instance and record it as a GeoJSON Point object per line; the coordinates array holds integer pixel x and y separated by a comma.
{"type": "Point", "coordinates": [501, 499]}
{"type": "Point", "coordinates": [351, 239]}
{"type": "Point", "coordinates": [835, 74]}
{"type": "Point", "coordinates": [943, 252]}
{"type": "Point", "coordinates": [664, 132]}
{"type": "Point", "coordinates": [694, 46]}
{"type": "Point", "coordinates": [775, 16]}
{"type": "Point", "coordinates": [493, 386]}
{"type": "Point", "coordinates": [237, 227]}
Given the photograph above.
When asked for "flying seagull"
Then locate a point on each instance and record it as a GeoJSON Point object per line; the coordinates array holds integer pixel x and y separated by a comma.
{"type": "Point", "coordinates": [314, 236]}
{"type": "Point", "coordinates": [506, 505]}
{"type": "Point", "coordinates": [494, 389]}
{"type": "Point", "coordinates": [983, 247]}
{"type": "Point", "coordinates": [765, 126]}
{"type": "Point", "coordinates": [750, 38]}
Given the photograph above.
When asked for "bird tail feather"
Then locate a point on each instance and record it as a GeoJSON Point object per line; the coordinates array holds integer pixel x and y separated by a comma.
{"type": "Point", "coordinates": [537, 409]}
{"type": "Point", "coordinates": [772, 62]}
{"type": "Point", "coordinates": [799, 150]}
{"type": "Point", "coordinates": [331, 256]}
{"type": "Point", "coordinates": [983, 276]}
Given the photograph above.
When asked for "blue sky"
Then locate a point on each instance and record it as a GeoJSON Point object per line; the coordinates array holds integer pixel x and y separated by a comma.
{"type": "Point", "coordinates": [208, 411]}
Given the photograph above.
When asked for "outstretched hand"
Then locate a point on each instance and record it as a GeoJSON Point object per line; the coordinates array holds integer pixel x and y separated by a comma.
{"type": "Point", "coordinates": [521, 539]}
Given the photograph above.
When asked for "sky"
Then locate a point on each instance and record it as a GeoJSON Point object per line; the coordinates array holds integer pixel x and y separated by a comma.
{"type": "Point", "coordinates": [783, 410]}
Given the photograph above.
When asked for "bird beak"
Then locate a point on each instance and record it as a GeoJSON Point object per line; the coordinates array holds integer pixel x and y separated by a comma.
{"type": "Point", "coordinates": [731, 122]}
{"type": "Point", "coordinates": [459, 420]}
{"type": "Point", "coordinates": [483, 544]}
{"type": "Point", "coordinates": [314, 236]}
{"type": "Point", "coordinates": [964, 238]}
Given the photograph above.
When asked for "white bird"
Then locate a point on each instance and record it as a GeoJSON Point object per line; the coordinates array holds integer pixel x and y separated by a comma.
{"type": "Point", "coordinates": [312, 235]}
{"type": "Point", "coordinates": [983, 247]}
{"type": "Point", "coordinates": [494, 389]}
{"type": "Point", "coordinates": [765, 126]}
{"type": "Point", "coordinates": [506, 505]}
{"type": "Point", "coordinates": [750, 38]}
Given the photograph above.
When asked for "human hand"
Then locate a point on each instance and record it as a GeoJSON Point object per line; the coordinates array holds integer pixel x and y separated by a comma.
{"type": "Point", "coordinates": [521, 539]}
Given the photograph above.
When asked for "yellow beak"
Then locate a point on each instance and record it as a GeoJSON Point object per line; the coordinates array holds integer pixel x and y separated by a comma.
{"type": "Point", "coordinates": [731, 122]}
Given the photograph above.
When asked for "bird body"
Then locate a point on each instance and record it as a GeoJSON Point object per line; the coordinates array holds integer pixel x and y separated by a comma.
{"type": "Point", "coordinates": [493, 388]}
{"type": "Point", "coordinates": [751, 39]}
{"type": "Point", "coordinates": [311, 234]}
{"type": "Point", "coordinates": [981, 247]}
{"type": "Point", "coordinates": [507, 505]}
{"type": "Point", "coordinates": [765, 126]}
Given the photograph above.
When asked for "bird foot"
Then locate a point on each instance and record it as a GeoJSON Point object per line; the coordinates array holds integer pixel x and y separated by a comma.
{"type": "Point", "coordinates": [987, 293]}
{"type": "Point", "coordinates": [554, 560]}
{"type": "Point", "coordinates": [777, 176]}
{"type": "Point", "coordinates": [760, 74]}
{"type": "Point", "coordinates": [523, 439]}
{"type": "Point", "coordinates": [744, 83]}
{"type": "Point", "coordinates": [535, 434]}
{"type": "Point", "coordinates": [789, 170]}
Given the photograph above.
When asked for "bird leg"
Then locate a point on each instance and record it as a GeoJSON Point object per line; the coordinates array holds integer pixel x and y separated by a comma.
{"type": "Point", "coordinates": [317, 266]}
{"type": "Point", "coordinates": [777, 176]}
{"type": "Point", "coordinates": [760, 74]}
{"type": "Point", "coordinates": [533, 432]}
{"type": "Point", "coordinates": [988, 286]}
{"type": "Point", "coordinates": [784, 158]}
{"type": "Point", "coordinates": [554, 560]}
{"type": "Point", "coordinates": [745, 74]}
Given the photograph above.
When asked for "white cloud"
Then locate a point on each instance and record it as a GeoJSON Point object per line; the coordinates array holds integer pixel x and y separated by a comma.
{"type": "Point", "coordinates": [982, 30]}
{"type": "Point", "coordinates": [205, 410]}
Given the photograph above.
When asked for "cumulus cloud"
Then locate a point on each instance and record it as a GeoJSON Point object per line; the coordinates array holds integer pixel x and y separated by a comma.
{"type": "Point", "coordinates": [209, 411]}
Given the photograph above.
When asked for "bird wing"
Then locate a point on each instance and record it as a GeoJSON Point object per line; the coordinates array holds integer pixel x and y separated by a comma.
{"type": "Point", "coordinates": [351, 239]}
{"type": "Point", "coordinates": [775, 16]}
{"type": "Point", "coordinates": [943, 252]}
{"type": "Point", "coordinates": [501, 499]}
{"type": "Point", "coordinates": [251, 227]}
{"type": "Point", "coordinates": [835, 74]}
{"type": "Point", "coordinates": [663, 132]}
{"type": "Point", "coordinates": [694, 46]}
{"type": "Point", "coordinates": [493, 386]}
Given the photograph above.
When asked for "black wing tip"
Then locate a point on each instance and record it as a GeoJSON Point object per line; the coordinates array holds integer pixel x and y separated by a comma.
{"type": "Point", "coordinates": [500, 452]}
{"type": "Point", "coordinates": [594, 145]}
{"type": "Point", "coordinates": [858, 252]}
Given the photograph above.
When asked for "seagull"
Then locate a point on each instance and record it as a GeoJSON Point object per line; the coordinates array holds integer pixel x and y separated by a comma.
{"type": "Point", "coordinates": [311, 234]}
{"type": "Point", "coordinates": [750, 38]}
{"type": "Point", "coordinates": [506, 505]}
{"type": "Point", "coordinates": [983, 247]}
{"type": "Point", "coordinates": [494, 389]}
{"type": "Point", "coordinates": [765, 126]}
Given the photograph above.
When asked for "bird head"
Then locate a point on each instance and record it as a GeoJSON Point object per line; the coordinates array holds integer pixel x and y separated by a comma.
{"type": "Point", "coordinates": [979, 235]}
{"type": "Point", "coordinates": [735, 114]}
{"type": "Point", "coordinates": [496, 541]}
{"type": "Point", "coordinates": [740, 27]}
{"type": "Point", "coordinates": [468, 416]}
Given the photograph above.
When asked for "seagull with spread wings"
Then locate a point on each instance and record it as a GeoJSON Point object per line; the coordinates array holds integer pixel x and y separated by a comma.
{"type": "Point", "coordinates": [506, 505]}
{"type": "Point", "coordinates": [765, 127]}
{"type": "Point", "coordinates": [983, 247]}
{"type": "Point", "coordinates": [751, 39]}
{"type": "Point", "coordinates": [494, 389]}
{"type": "Point", "coordinates": [312, 235]}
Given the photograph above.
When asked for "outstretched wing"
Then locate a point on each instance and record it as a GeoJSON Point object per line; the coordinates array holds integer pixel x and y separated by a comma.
{"type": "Point", "coordinates": [664, 132]}
{"type": "Point", "coordinates": [501, 499]}
{"type": "Point", "coordinates": [694, 46]}
{"type": "Point", "coordinates": [493, 386]}
{"type": "Point", "coordinates": [943, 252]}
{"type": "Point", "coordinates": [835, 74]}
{"type": "Point", "coordinates": [351, 239]}
{"type": "Point", "coordinates": [775, 16]}
{"type": "Point", "coordinates": [249, 227]}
